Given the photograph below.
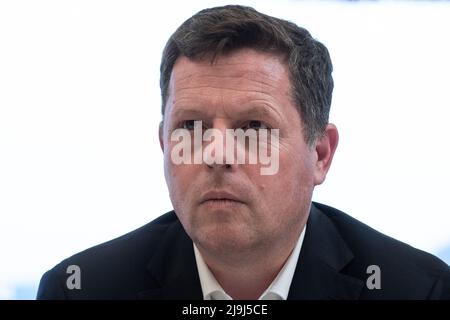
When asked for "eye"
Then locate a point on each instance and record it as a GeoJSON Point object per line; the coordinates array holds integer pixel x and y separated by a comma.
{"type": "Point", "coordinates": [255, 125]}
{"type": "Point", "coordinates": [188, 124]}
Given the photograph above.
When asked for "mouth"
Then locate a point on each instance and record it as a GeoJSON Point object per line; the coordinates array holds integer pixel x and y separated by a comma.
{"type": "Point", "coordinates": [220, 199]}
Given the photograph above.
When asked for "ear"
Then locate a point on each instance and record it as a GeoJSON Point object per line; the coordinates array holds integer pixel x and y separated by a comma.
{"type": "Point", "coordinates": [161, 135]}
{"type": "Point", "coordinates": [325, 148]}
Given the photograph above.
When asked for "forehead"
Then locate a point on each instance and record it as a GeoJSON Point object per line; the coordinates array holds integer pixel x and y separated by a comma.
{"type": "Point", "coordinates": [234, 79]}
{"type": "Point", "coordinates": [244, 62]}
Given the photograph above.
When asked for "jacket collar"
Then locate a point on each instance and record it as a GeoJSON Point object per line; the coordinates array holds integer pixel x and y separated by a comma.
{"type": "Point", "coordinates": [317, 276]}
{"type": "Point", "coordinates": [174, 267]}
{"type": "Point", "coordinates": [323, 256]}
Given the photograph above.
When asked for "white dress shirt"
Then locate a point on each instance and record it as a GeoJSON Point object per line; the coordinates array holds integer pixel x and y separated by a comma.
{"type": "Point", "coordinates": [278, 289]}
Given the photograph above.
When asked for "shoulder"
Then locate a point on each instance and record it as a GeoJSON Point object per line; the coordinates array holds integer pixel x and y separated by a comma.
{"type": "Point", "coordinates": [401, 265]}
{"type": "Point", "coordinates": [118, 263]}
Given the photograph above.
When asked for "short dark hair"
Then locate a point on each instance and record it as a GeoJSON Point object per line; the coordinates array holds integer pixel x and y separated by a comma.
{"type": "Point", "coordinates": [221, 30]}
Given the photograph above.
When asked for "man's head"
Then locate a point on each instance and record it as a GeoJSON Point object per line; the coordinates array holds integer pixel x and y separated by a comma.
{"type": "Point", "coordinates": [221, 30]}
{"type": "Point", "coordinates": [232, 67]}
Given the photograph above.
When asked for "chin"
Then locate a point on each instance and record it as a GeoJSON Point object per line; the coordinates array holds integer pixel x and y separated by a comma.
{"type": "Point", "coordinates": [223, 238]}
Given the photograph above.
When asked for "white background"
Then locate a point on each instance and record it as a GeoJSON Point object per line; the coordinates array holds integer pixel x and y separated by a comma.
{"type": "Point", "coordinates": [79, 110]}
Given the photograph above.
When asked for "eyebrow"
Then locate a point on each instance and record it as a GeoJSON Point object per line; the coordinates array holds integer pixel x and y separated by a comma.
{"type": "Point", "coordinates": [261, 110]}
{"type": "Point", "coordinates": [186, 111]}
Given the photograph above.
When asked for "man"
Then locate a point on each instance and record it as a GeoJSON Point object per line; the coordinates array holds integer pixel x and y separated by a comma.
{"type": "Point", "coordinates": [237, 231]}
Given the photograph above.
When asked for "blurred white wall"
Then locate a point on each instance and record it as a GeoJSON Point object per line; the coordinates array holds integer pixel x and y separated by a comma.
{"type": "Point", "coordinates": [80, 161]}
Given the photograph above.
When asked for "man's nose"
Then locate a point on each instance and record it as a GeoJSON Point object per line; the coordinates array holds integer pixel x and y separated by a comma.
{"type": "Point", "coordinates": [218, 151]}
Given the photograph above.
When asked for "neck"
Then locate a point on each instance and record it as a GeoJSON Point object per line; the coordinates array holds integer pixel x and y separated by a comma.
{"type": "Point", "coordinates": [246, 276]}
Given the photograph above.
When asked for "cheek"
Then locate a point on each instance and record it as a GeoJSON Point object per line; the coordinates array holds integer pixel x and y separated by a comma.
{"type": "Point", "coordinates": [181, 186]}
{"type": "Point", "coordinates": [297, 163]}
{"type": "Point", "coordinates": [293, 183]}
{"type": "Point", "coordinates": [173, 171]}
{"type": "Point", "coordinates": [178, 177]}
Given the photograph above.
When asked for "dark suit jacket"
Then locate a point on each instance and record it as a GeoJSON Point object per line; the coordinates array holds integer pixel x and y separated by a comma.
{"type": "Point", "coordinates": [157, 261]}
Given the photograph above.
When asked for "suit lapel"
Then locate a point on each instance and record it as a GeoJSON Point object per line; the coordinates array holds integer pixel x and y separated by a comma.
{"type": "Point", "coordinates": [174, 267]}
{"type": "Point", "coordinates": [323, 255]}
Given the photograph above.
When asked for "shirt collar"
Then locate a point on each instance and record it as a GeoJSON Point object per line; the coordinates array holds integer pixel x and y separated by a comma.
{"type": "Point", "coordinates": [277, 290]}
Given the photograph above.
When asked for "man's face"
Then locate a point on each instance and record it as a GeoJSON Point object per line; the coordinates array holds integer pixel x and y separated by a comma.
{"type": "Point", "coordinates": [235, 208]}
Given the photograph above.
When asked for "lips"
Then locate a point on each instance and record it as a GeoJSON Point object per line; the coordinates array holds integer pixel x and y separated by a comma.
{"type": "Point", "coordinates": [220, 197]}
